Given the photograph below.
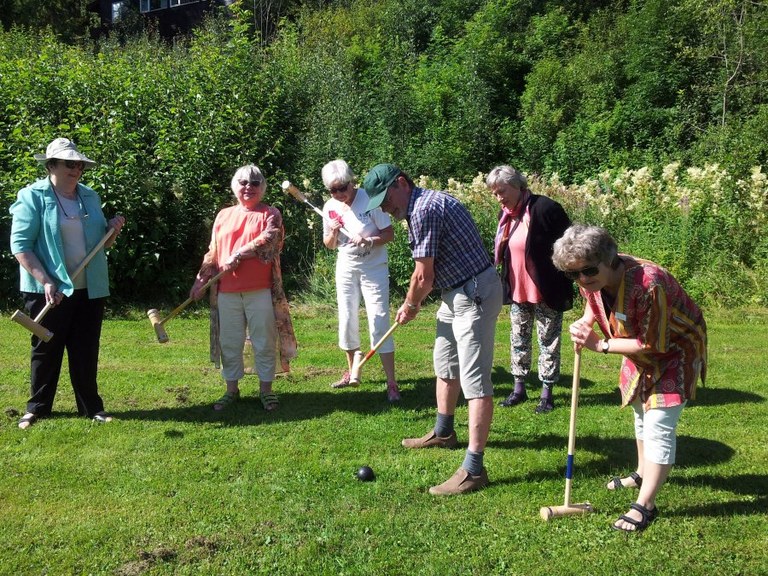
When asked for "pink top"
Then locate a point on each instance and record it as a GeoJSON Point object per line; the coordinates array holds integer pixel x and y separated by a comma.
{"type": "Point", "coordinates": [521, 284]}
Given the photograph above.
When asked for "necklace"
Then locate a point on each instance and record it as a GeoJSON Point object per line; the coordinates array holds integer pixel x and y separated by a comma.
{"type": "Point", "coordinates": [79, 199]}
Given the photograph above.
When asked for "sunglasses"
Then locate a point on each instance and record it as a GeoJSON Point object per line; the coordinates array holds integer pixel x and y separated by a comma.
{"type": "Point", "coordinates": [73, 164]}
{"type": "Point", "coordinates": [251, 182]}
{"type": "Point", "coordinates": [588, 272]}
{"type": "Point", "coordinates": [339, 189]}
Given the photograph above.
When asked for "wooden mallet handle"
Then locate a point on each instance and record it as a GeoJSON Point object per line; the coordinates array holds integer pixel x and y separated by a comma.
{"type": "Point", "coordinates": [34, 326]}
{"type": "Point", "coordinates": [296, 193]}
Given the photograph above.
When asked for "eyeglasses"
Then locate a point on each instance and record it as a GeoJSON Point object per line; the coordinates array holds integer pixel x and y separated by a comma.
{"type": "Point", "coordinates": [73, 164]}
{"type": "Point", "coordinates": [588, 272]}
{"type": "Point", "coordinates": [251, 182]}
{"type": "Point", "coordinates": [339, 189]}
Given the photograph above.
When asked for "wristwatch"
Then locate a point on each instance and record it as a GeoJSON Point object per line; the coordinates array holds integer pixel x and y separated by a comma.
{"type": "Point", "coordinates": [411, 306]}
{"type": "Point", "coordinates": [605, 346]}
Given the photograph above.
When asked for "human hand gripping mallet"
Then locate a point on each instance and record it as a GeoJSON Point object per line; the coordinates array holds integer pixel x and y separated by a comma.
{"type": "Point", "coordinates": [359, 359]}
{"type": "Point", "coordinates": [34, 326]}
{"type": "Point", "coordinates": [549, 512]}
{"type": "Point", "coordinates": [158, 323]}
{"type": "Point", "coordinates": [289, 188]}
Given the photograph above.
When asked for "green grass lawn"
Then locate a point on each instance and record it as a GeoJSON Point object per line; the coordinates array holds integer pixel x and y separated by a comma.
{"type": "Point", "coordinates": [173, 488]}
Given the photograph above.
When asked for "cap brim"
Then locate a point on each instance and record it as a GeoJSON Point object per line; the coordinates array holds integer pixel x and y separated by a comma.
{"type": "Point", "coordinates": [376, 201]}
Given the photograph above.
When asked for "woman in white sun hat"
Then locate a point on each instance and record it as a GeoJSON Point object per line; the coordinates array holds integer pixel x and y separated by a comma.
{"type": "Point", "coordinates": [57, 221]}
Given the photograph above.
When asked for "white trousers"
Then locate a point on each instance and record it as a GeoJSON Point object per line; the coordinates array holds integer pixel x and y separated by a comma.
{"type": "Point", "coordinates": [657, 428]}
{"type": "Point", "coordinates": [355, 280]}
{"type": "Point", "coordinates": [254, 310]}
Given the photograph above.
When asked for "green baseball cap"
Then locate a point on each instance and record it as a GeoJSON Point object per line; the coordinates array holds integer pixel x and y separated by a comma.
{"type": "Point", "coordinates": [377, 181]}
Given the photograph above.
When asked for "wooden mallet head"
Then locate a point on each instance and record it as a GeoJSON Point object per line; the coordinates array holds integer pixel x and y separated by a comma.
{"type": "Point", "coordinates": [157, 324]}
{"type": "Point", "coordinates": [37, 329]}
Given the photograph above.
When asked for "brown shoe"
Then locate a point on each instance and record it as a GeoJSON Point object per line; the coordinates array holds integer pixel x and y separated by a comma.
{"type": "Point", "coordinates": [432, 440]}
{"type": "Point", "coordinates": [460, 483]}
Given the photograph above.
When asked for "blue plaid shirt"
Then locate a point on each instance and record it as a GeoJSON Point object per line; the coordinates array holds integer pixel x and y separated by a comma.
{"type": "Point", "coordinates": [440, 227]}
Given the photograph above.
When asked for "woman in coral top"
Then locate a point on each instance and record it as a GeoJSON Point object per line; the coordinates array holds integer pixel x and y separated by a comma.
{"type": "Point", "coordinates": [645, 316]}
{"type": "Point", "coordinates": [537, 293]}
{"type": "Point", "coordinates": [245, 241]}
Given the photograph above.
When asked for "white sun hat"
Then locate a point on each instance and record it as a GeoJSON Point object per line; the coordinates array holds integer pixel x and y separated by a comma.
{"type": "Point", "coordinates": [64, 149]}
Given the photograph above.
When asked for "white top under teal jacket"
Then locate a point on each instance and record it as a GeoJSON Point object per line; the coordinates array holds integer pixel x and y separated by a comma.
{"type": "Point", "coordinates": [35, 228]}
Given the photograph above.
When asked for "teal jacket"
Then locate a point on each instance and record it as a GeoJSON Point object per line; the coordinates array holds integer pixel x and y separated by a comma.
{"type": "Point", "coordinates": [35, 228]}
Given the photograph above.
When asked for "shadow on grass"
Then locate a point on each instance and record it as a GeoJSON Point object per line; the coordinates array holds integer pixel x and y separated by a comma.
{"type": "Point", "coordinates": [692, 452]}
{"type": "Point", "coordinates": [294, 406]}
{"type": "Point", "coordinates": [754, 486]}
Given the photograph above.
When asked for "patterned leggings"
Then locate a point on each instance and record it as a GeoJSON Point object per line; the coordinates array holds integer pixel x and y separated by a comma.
{"type": "Point", "coordinates": [549, 325]}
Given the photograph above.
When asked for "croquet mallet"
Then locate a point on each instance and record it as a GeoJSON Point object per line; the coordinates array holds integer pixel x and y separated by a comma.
{"type": "Point", "coordinates": [359, 359]}
{"type": "Point", "coordinates": [158, 323]}
{"type": "Point", "coordinates": [549, 512]}
{"type": "Point", "coordinates": [34, 326]}
{"type": "Point", "coordinates": [289, 188]}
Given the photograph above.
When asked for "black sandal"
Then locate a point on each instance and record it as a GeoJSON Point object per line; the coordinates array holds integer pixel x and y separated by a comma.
{"type": "Point", "coordinates": [648, 516]}
{"type": "Point", "coordinates": [616, 481]}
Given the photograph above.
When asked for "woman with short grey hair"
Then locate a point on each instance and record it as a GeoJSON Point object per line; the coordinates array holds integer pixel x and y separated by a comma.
{"type": "Point", "coordinates": [645, 316]}
{"type": "Point", "coordinates": [362, 268]}
{"type": "Point", "coordinates": [537, 293]}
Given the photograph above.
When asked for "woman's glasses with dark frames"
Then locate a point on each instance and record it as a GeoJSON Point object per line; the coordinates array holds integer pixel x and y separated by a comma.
{"type": "Point", "coordinates": [73, 164]}
{"type": "Point", "coordinates": [251, 182]}
{"type": "Point", "coordinates": [339, 189]}
{"type": "Point", "coordinates": [588, 272]}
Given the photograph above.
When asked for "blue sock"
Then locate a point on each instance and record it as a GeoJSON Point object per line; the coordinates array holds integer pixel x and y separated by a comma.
{"type": "Point", "coordinates": [546, 391]}
{"type": "Point", "coordinates": [519, 386]}
{"type": "Point", "coordinates": [473, 462]}
{"type": "Point", "coordinates": [444, 425]}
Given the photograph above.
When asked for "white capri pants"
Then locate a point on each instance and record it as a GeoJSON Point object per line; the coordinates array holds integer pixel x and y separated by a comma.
{"type": "Point", "coordinates": [254, 310]}
{"type": "Point", "coordinates": [657, 429]}
{"type": "Point", "coordinates": [356, 278]}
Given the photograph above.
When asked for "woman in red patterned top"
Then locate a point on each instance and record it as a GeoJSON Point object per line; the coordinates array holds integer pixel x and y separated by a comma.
{"type": "Point", "coordinates": [246, 241]}
{"type": "Point", "coordinates": [646, 316]}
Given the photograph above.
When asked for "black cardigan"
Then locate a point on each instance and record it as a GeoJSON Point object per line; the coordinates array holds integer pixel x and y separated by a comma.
{"type": "Point", "coordinates": [548, 223]}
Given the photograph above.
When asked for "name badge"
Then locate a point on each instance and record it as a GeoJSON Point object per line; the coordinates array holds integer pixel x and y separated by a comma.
{"type": "Point", "coordinates": [620, 316]}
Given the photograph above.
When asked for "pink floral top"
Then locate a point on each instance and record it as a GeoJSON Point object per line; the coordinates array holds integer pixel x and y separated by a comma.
{"type": "Point", "coordinates": [653, 308]}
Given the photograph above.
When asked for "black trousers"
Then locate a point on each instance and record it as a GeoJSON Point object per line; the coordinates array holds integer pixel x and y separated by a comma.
{"type": "Point", "coordinates": [76, 326]}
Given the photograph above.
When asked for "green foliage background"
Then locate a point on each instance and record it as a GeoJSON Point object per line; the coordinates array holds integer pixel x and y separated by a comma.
{"type": "Point", "coordinates": [565, 91]}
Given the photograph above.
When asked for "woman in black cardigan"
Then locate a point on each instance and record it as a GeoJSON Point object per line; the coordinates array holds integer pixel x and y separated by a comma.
{"type": "Point", "coordinates": [536, 291]}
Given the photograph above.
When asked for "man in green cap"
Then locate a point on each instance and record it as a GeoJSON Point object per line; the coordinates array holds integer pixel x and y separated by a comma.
{"type": "Point", "coordinates": [449, 256]}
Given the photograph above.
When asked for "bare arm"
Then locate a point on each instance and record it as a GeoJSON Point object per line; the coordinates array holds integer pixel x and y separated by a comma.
{"type": "Point", "coordinates": [422, 280]}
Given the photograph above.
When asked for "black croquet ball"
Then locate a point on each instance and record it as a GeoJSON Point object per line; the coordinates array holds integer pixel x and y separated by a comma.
{"type": "Point", "coordinates": [365, 474]}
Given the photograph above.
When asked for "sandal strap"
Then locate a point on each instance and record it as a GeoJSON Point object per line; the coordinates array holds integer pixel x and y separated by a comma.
{"type": "Point", "coordinates": [639, 524]}
{"type": "Point", "coordinates": [616, 481]}
{"type": "Point", "coordinates": [637, 478]}
{"type": "Point", "coordinates": [227, 399]}
{"type": "Point", "coordinates": [648, 515]}
{"type": "Point", "coordinates": [267, 399]}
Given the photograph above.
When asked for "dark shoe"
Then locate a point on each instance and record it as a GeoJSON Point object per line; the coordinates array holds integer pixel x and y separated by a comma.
{"type": "Point", "coordinates": [432, 440]}
{"type": "Point", "coordinates": [27, 420]}
{"type": "Point", "coordinates": [514, 399]}
{"type": "Point", "coordinates": [102, 417]}
{"type": "Point", "coordinates": [460, 483]}
{"type": "Point", "coordinates": [617, 484]}
{"type": "Point", "coordinates": [545, 405]}
{"type": "Point", "coordinates": [648, 516]}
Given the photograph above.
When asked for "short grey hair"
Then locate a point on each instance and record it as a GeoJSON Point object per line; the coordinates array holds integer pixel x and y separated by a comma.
{"type": "Point", "coordinates": [583, 243]}
{"type": "Point", "coordinates": [248, 172]}
{"type": "Point", "coordinates": [506, 175]}
{"type": "Point", "coordinates": [337, 171]}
